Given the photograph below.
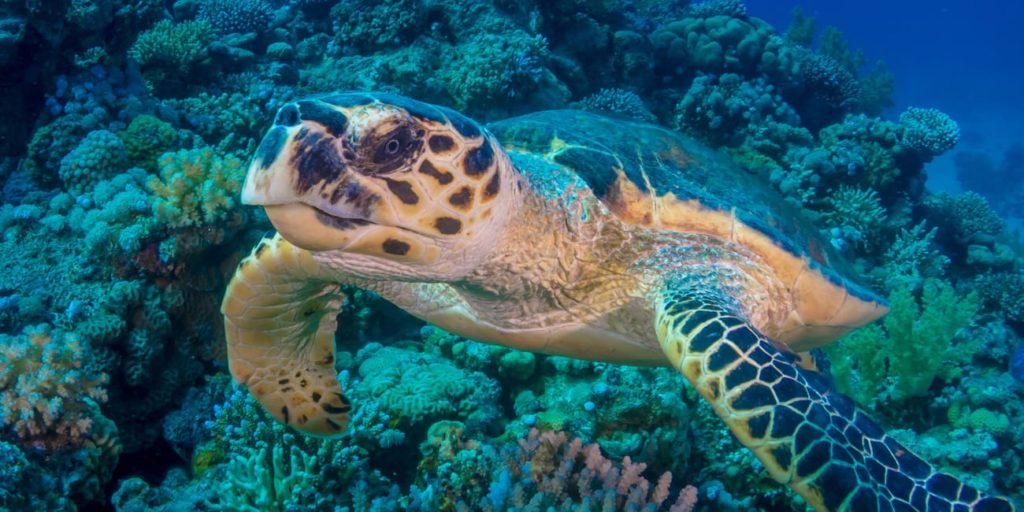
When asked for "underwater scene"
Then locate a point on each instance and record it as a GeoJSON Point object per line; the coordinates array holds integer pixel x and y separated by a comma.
{"type": "Point", "coordinates": [497, 255]}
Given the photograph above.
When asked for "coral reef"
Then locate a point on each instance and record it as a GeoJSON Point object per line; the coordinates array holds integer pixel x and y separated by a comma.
{"type": "Point", "coordinates": [126, 141]}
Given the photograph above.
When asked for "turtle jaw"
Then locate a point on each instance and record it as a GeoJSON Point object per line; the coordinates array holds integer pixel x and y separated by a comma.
{"type": "Point", "coordinates": [307, 227]}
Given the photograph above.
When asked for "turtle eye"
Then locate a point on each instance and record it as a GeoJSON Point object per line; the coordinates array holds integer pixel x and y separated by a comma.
{"type": "Point", "coordinates": [397, 146]}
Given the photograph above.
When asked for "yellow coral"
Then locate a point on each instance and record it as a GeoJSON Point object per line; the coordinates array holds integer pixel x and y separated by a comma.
{"type": "Point", "coordinates": [195, 187]}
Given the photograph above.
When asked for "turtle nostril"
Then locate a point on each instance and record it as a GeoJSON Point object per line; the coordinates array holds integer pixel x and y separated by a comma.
{"type": "Point", "coordinates": [287, 116]}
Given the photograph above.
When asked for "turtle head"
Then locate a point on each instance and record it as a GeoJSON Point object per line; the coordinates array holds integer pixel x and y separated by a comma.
{"type": "Point", "coordinates": [384, 181]}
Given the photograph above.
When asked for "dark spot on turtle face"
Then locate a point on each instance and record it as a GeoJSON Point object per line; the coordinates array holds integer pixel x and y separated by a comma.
{"type": "Point", "coordinates": [271, 146]}
{"type": "Point", "coordinates": [334, 426]}
{"type": "Point", "coordinates": [284, 412]}
{"type": "Point", "coordinates": [260, 248]}
{"type": "Point", "coordinates": [343, 400]}
{"type": "Point", "coordinates": [462, 124]}
{"type": "Point", "coordinates": [493, 185]}
{"type": "Point", "coordinates": [318, 112]}
{"type": "Point", "coordinates": [316, 160]}
{"type": "Point", "coordinates": [403, 190]}
{"type": "Point", "coordinates": [288, 115]}
{"type": "Point", "coordinates": [316, 396]}
{"type": "Point", "coordinates": [339, 223]}
{"type": "Point", "coordinates": [348, 99]}
{"type": "Point", "coordinates": [283, 382]}
{"type": "Point", "coordinates": [447, 225]}
{"type": "Point", "coordinates": [303, 419]}
{"type": "Point", "coordinates": [441, 143]}
{"type": "Point", "coordinates": [479, 159]}
{"type": "Point", "coordinates": [428, 168]}
{"type": "Point", "coordinates": [462, 198]}
{"type": "Point", "coordinates": [396, 247]}
{"type": "Point", "coordinates": [356, 196]}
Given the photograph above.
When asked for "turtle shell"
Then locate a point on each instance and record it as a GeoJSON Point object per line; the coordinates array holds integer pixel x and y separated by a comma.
{"type": "Point", "coordinates": [650, 176]}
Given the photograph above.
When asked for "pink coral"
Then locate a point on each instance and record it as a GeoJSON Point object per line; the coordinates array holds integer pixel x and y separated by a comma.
{"type": "Point", "coordinates": [555, 472]}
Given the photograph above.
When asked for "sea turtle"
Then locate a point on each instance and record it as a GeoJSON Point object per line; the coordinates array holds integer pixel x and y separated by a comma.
{"type": "Point", "coordinates": [571, 233]}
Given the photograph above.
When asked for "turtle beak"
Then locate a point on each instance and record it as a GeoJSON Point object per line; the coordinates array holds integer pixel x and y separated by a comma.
{"type": "Point", "coordinates": [295, 167]}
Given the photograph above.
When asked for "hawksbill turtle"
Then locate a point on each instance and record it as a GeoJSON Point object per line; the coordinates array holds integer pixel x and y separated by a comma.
{"type": "Point", "coordinates": [570, 233]}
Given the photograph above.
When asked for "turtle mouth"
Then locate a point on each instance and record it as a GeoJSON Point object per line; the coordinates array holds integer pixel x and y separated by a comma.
{"type": "Point", "coordinates": [340, 222]}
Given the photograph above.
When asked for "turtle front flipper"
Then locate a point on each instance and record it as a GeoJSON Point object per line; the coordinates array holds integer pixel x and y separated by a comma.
{"type": "Point", "coordinates": [807, 436]}
{"type": "Point", "coordinates": [280, 315]}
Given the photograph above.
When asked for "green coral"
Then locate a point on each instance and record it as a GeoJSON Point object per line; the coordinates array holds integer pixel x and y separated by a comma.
{"type": "Point", "coordinates": [902, 357]}
{"type": "Point", "coordinates": [99, 156]}
{"type": "Point", "coordinates": [369, 26]}
{"type": "Point", "coordinates": [169, 51]}
{"type": "Point", "coordinates": [911, 258]}
{"type": "Point", "coordinates": [491, 68]}
{"type": "Point", "coordinates": [195, 187]}
{"type": "Point", "coordinates": [145, 139]}
{"type": "Point", "coordinates": [174, 45]}
{"type": "Point", "coordinates": [418, 387]}
{"type": "Point", "coordinates": [857, 208]}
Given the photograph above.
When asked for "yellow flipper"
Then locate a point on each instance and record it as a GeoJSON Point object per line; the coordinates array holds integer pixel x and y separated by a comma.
{"type": "Point", "coordinates": [280, 315]}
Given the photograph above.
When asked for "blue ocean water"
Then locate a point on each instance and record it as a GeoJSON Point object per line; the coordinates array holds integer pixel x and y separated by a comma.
{"type": "Point", "coordinates": [959, 56]}
{"type": "Point", "coordinates": [290, 255]}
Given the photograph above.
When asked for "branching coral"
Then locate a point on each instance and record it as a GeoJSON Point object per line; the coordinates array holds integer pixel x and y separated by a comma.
{"type": "Point", "coordinates": [901, 358]}
{"type": "Point", "coordinates": [176, 46]}
{"type": "Point", "coordinates": [856, 208]}
{"type": "Point", "coordinates": [549, 470]}
{"type": "Point", "coordinates": [372, 25]}
{"type": "Point", "coordinates": [47, 398]}
{"type": "Point", "coordinates": [195, 188]}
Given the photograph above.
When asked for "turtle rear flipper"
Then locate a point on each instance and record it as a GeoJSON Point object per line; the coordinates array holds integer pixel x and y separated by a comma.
{"type": "Point", "coordinates": [815, 440]}
{"type": "Point", "coordinates": [280, 316]}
